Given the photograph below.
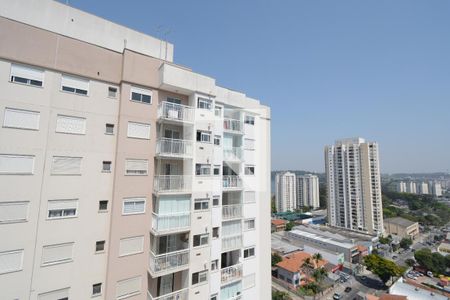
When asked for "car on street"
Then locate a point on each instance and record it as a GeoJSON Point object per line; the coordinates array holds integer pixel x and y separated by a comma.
{"type": "Point", "coordinates": [348, 289]}
{"type": "Point", "coordinates": [430, 274]}
{"type": "Point", "coordinates": [336, 296]}
{"type": "Point", "coordinates": [394, 257]}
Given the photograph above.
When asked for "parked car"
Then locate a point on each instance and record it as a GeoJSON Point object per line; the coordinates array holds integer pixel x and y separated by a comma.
{"type": "Point", "coordinates": [336, 296]}
{"type": "Point", "coordinates": [394, 257]}
{"type": "Point", "coordinates": [430, 274]}
{"type": "Point", "coordinates": [348, 289]}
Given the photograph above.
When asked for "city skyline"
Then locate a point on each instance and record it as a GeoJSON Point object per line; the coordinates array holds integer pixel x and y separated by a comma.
{"type": "Point", "coordinates": [380, 65]}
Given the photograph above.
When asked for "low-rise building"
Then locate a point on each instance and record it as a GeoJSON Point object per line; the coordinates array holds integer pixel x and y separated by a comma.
{"type": "Point", "coordinates": [413, 292]}
{"type": "Point", "coordinates": [401, 227]}
{"type": "Point", "coordinates": [278, 225]}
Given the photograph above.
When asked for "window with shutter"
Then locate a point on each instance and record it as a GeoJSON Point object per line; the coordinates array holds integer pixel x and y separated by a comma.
{"type": "Point", "coordinates": [76, 85]}
{"type": "Point", "coordinates": [21, 119]}
{"type": "Point", "coordinates": [11, 261]}
{"type": "Point", "coordinates": [249, 197]}
{"type": "Point", "coordinates": [249, 224]}
{"type": "Point", "coordinates": [61, 294]}
{"type": "Point", "coordinates": [59, 209]}
{"type": "Point", "coordinates": [249, 144]}
{"type": "Point", "coordinates": [136, 167]}
{"type": "Point", "coordinates": [16, 164]}
{"type": "Point", "coordinates": [131, 245]}
{"type": "Point", "coordinates": [141, 95]}
{"type": "Point", "coordinates": [128, 287]}
{"type": "Point", "coordinates": [133, 206]}
{"type": "Point", "coordinates": [65, 165]}
{"type": "Point", "coordinates": [70, 124]}
{"type": "Point", "coordinates": [58, 253]}
{"type": "Point", "coordinates": [138, 130]}
{"type": "Point", "coordinates": [12, 212]}
{"type": "Point", "coordinates": [27, 75]}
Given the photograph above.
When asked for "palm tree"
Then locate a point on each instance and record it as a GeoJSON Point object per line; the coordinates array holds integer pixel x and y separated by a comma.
{"type": "Point", "coordinates": [319, 274]}
{"type": "Point", "coordinates": [307, 266]}
{"type": "Point", "coordinates": [317, 257]}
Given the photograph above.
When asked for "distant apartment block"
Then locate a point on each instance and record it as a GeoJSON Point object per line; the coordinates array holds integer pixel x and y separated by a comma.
{"type": "Point", "coordinates": [401, 187]}
{"type": "Point", "coordinates": [308, 191]}
{"type": "Point", "coordinates": [124, 175]}
{"type": "Point", "coordinates": [354, 187]}
{"type": "Point", "coordinates": [411, 187]}
{"type": "Point", "coordinates": [285, 192]}
{"type": "Point", "coordinates": [436, 188]}
{"type": "Point", "coordinates": [422, 188]}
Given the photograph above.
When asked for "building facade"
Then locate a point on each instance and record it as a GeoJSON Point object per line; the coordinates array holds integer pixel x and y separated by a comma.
{"type": "Point", "coordinates": [354, 187]}
{"type": "Point", "coordinates": [422, 188]}
{"type": "Point", "coordinates": [411, 187]}
{"type": "Point", "coordinates": [144, 179]}
{"type": "Point", "coordinates": [285, 192]}
{"type": "Point", "coordinates": [401, 227]}
{"type": "Point", "coordinates": [401, 187]}
{"type": "Point", "coordinates": [308, 191]}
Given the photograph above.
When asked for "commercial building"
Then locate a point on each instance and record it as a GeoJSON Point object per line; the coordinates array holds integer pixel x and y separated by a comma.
{"type": "Point", "coordinates": [414, 291]}
{"type": "Point", "coordinates": [308, 191]}
{"type": "Point", "coordinates": [285, 192]}
{"type": "Point", "coordinates": [124, 175]}
{"type": "Point", "coordinates": [354, 186]}
{"type": "Point", "coordinates": [401, 227]}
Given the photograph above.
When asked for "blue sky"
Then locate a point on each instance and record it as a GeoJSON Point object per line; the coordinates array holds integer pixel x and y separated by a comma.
{"type": "Point", "coordinates": [328, 69]}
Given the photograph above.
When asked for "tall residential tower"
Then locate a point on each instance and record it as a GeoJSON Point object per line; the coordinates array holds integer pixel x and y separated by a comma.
{"type": "Point", "coordinates": [308, 191]}
{"type": "Point", "coordinates": [354, 187]}
{"type": "Point", "coordinates": [285, 192]}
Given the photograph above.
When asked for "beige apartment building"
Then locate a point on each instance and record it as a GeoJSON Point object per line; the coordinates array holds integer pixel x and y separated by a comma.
{"type": "Point", "coordinates": [122, 174]}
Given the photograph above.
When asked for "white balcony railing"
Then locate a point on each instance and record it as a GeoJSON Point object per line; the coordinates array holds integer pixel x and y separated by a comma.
{"type": "Point", "coordinates": [231, 273]}
{"type": "Point", "coordinates": [232, 125]}
{"type": "Point", "coordinates": [231, 211]}
{"type": "Point", "coordinates": [177, 295]}
{"type": "Point", "coordinates": [232, 154]}
{"type": "Point", "coordinates": [173, 147]}
{"type": "Point", "coordinates": [170, 222]}
{"type": "Point", "coordinates": [168, 261]}
{"type": "Point", "coordinates": [232, 181]}
{"type": "Point", "coordinates": [231, 242]}
{"type": "Point", "coordinates": [172, 183]}
{"type": "Point", "coordinates": [175, 112]}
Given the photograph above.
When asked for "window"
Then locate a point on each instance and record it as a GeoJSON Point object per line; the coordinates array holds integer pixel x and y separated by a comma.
{"type": "Point", "coordinates": [70, 124]}
{"type": "Point", "coordinates": [27, 75]}
{"type": "Point", "coordinates": [11, 261]}
{"type": "Point", "coordinates": [203, 136]}
{"type": "Point", "coordinates": [202, 169]}
{"type": "Point", "coordinates": [112, 92]}
{"type": "Point", "coordinates": [128, 287]}
{"type": "Point", "coordinates": [214, 265]}
{"type": "Point", "coordinates": [199, 277]}
{"type": "Point", "coordinates": [201, 204]}
{"type": "Point", "coordinates": [216, 200]}
{"type": "Point", "coordinates": [58, 253]}
{"type": "Point", "coordinates": [64, 165]}
{"type": "Point", "coordinates": [106, 166]}
{"type": "Point", "coordinates": [62, 294]}
{"type": "Point", "coordinates": [173, 100]}
{"type": "Point", "coordinates": [100, 246]}
{"type": "Point", "coordinates": [249, 170]}
{"type": "Point", "coordinates": [249, 144]}
{"type": "Point", "coordinates": [138, 130]}
{"type": "Point", "coordinates": [109, 128]}
{"type": "Point", "coordinates": [249, 120]}
{"type": "Point", "coordinates": [215, 232]}
{"type": "Point", "coordinates": [133, 206]}
{"type": "Point", "coordinates": [203, 103]}
{"type": "Point", "coordinates": [96, 289]}
{"type": "Point", "coordinates": [216, 170]}
{"type": "Point", "coordinates": [13, 212]}
{"type": "Point", "coordinates": [21, 119]}
{"type": "Point", "coordinates": [60, 209]}
{"type": "Point", "coordinates": [217, 140]}
{"type": "Point", "coordinates": [136, 167]}
{"type": "Point", "coordinates": [249, 197]}
{"type": "Point", "coordinates": [76, 85]}
{"type": "Point", "coordinates": [131, 245]}
{"type": "Point", "coordinates": [141, 95]}
{"type": "Point", "coordinates": [201, 239]}
{"type": "Point", "coordinates": [16, 164]}
{"type": "Point", "coordinates": [218, 111]}
{"type": "Point", "coordinates": [249, 224]}
{"type": "Point", "coordinates": [103, 205]}
{"type": "Point", "coordinates": [249, 252]}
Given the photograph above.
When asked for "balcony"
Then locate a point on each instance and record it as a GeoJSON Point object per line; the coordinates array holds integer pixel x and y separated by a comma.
{"type": "Point", "coordinates": [175, 112]}
{"type": "Point", "coordinates": [232, 154]}
{"type": "Point", "coordinates": [231, 212]}
{"type": "Point", "coordinates": [232, 182]}
{"type": "Point", "coordinates": [173, 148]}
{"type": "Point", "coordinates": [177, 295]}
{"type": "Point", "coordinates": [231, 274]}
{"type": "Point", "coordinates": [170, 222]}
{"type": "Point", "coordinates": [232, 125]}
{"type": "Point", "coordinates": [231, 242]}
{"type": "Point", "coordinates": [168, 262]}
{"type": "Point", "coordinates": [172, 183]}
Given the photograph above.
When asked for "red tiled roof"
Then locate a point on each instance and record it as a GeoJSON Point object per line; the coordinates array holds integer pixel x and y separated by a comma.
{"type": "Point", "coordinates": [278, 222]}
{"type": "Point", "coordinates": [293, 262]}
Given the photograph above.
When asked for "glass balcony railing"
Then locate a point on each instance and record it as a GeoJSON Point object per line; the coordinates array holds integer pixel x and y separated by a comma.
{"type": "Point", "coordinates": [174, 147]}
{"type": "Point", "coordinates": [170, 222]}
{"type": "Point", "coordinates": [177, 295]}
{"type": "Point", "coordinates": [231, 211]}
{"type": "Point", "coordinates": [175, 112]}
{"type": "Point", "coordinates": [231, 242]}
{"type": "Point", "coordinates": [232, 154]}
{"type": "Point", "coordinates": [232, 125]}
{"type": "Point", "coordinates": [231, 181]}
{"type": "Point", "coordinates": [168, 261]}
{"type": "Point", "coordinates": [230, 274]}
{"type": "Point", "coordinates": [172, 183]}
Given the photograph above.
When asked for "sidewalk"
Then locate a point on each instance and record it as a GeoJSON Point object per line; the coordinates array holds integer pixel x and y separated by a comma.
{"type": "Point", "coordinates": [278, 287]}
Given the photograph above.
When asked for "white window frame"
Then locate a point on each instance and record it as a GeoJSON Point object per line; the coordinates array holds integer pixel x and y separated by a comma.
{"type": "Point", "coordinates": [133, 199]}
{"type": "Point", "coordinates": [74, 118]}
{"type": "Point", "coordinates": [19, 156]}
{"type": "Point", "coordinates": [75, 206]}
{"type": "Point", "coordinates": [202, 201]}
{"type": "Point", "coordinates": [249, 120]}
{"type": "Point", "coordinates": [106, 163]}
{"type": "Point", "coordinates": [111, 126]}
{"type": "Point", "coordinates": [254, 197]}
{"type": "Point", "coordinates": [205, 136]}
{"type": "Point", "coordinates": [57, 262]}
{"type": "Point", "coordinates": [215, 167]}
{"type": "Point", "coordinates": [248, 221]}
{"type": "Point", "coordinates": [101, 289]}
{"type": "Point", "coordinates": [218, 108]}
{"type": "Point", "coordinates": [24, 111]}
{"type": "Point", "coordinates": [217, 140]}
{"type": "Point", "coordinates": [248, 249]}
{"type": "Point", "coordinates": [104, 246]}
{"type": "Point", "coordinates": [103, 210]}
{"type": "Point", "coordinates": [247, 170]}
{"type": "Point", "coordinates": [135, 252]}
{"type": "Point", "coordinates": [202, 277]}
{"type": "Point", "coordinates": [218, 233]}
{"type": "Point", "coordinates": [202, 238]}
{"type": "Point", "coordinates": [110, 88]}
{"type": "Point", "coordinates": [15, 203]}
{"type": "Point", "coordinates": [128, 171]}
{"type": "Point", "coordinates": [20, 268]}
{"type": "Point", "coordinates": [132, 293]}
{"type": "Point", "coordinates": [140, 124]}
{"type": "Point", "coordinates": [141, 92]}
{"type": "Point", "coordinates": [204, 103]}
{"type": "Point", "coordinates": [250, 145]}
{"type": "Point", "coordinates": [76, 90]}
{"type": "Point", "coordinates": [214, 265]}
{"type": "Point", "coordinates": [205, 169]}
{"type": "Point", "coordinates": [218, 200]}
{"type": "Point", "coordinates": [65, 174]}
{"type": "Point", "coordinates": [16, 69]}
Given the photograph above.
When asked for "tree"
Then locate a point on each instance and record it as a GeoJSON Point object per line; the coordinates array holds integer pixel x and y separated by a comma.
{"type": "Point", "coordinates": [406, 242]}
{"type": "Point", "coordinates": [317, 257]}
{"type": "Point", "coordinates": [279, 295]}
{"type": "Point", "coordinates": [290, 225]}
{"type": "Point", "coordinates": [410, 262]}
{"type": "Point", "coordinates": [307, 266]}
{"type": "Point", "coordinates": [276, 258]}
{"type": "Point", "coordinates": [385, 269]}
{"type": "Point", "coordinates": [384, 240]}
{"type": "Point", "coordinates": [434, 262]}
{"type": "Point", "coordinates": [319, 274]}
{"type": "Point", "coordinates": [273, 204]}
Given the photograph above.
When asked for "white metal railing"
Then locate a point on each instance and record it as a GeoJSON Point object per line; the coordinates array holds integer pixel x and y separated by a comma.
{"type": "Point", "coordinates": [231, 242]}
{"type": "Point", "coordinates": [168, 261]}
{"type": "Point", "coordinates": [176, 112]}
{"type": "Point", "coordinates": [177, 295]}
{"type": "Point", "coordinates": [233, 153]}
{"type": "Point", "coordinates": [231, 273]}
{"type": "Point", "coordinates": [170, 222]}
{"type": "Point", "coordinates": [232, 181]}
{"type": "Point", "coordinates": [231, 211]}
{"type": "Point", "coordinates": [173, 147]}
{"type": "Point", "coordinates": [172, 183]}
{"type": "Point", "coordinates": [232, 125]}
